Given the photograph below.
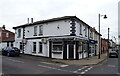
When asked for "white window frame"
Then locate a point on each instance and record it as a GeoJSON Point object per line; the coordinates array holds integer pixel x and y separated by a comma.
{"type": "Point", "coordinates": [41, 30]}
{"type": "Point", "coordinates": [35, 30]}
{"type": "Point", "coordinates": [7, 34]}
{"type": "Point", "coordinates": [19, 33]}
{"type": "Point", "coordinates": [80, 29]}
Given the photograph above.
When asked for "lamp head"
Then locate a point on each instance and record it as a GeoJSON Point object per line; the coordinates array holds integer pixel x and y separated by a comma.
{"type": "Point", "coordinates": [105, 16]}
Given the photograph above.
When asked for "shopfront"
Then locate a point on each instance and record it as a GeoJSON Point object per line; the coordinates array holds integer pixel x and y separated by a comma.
{"type": "Point", "coordinates": [67, 48]}
{"type": "Point", "coordinates": [92, 47]}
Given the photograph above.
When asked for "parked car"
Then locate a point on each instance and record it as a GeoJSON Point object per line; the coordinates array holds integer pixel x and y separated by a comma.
{"type": "Point", "coordinates": [113, 54]}
{"type": "Point", "coordinates": [10, 51]}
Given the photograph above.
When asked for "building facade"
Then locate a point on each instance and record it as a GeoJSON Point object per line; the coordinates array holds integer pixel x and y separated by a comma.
{"type": "Point", "coordinates": [63, 38]}
{"type": "Point", "coordinates": [6, 38]}
{"type": "Point", "coordinates": [104, 45]}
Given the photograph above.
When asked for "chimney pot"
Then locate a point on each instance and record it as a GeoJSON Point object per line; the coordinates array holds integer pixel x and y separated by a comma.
{"type": "Point", "coordinates": [28, 20]}
{"type": "Point", "coordinates": [31, 20]}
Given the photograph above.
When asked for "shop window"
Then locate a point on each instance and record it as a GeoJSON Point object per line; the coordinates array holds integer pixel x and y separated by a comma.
{"type": "Point", "coordinates": [57, 46]}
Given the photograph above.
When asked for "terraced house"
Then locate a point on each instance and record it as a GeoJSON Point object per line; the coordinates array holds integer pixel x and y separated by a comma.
{"type": "Point", "coordinates": [65, 37]}
{"type": "Point", "coordinates": [6, 38]}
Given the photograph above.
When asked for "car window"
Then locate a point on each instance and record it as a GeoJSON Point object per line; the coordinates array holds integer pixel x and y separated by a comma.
{"type": "Point", "coordinates": [15, 48]}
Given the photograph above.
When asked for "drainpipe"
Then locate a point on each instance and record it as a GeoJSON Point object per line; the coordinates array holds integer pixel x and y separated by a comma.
{"type": "Point", "coordinates": [88, 42]}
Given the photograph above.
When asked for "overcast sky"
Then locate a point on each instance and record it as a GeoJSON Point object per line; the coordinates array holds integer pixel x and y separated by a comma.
{"type": "Point", "coordinates": [16, 12]}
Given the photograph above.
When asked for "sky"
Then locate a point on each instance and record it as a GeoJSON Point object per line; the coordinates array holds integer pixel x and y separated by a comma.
{"type": "Point", "coordinates": [15, 12]}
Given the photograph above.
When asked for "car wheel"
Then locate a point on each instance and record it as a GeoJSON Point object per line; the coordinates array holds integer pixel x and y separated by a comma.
{"type": "Point", "coordinates": [8, 54]}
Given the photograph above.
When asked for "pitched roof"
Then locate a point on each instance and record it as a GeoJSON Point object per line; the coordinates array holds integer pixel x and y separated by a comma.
{"type": "Point", "coordinates": [54, 19]}
{"type": "Point", "coordinates": [46, 21]}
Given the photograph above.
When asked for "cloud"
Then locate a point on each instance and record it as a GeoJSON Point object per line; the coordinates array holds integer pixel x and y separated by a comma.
{"type": "Point", "coordinates": [16, 12]}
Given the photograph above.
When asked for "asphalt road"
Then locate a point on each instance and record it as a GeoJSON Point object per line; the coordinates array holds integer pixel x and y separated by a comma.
{"type": "Point", "coordinates": [110, 66]}
{"type": "Point", "coordinates": [20, 65]}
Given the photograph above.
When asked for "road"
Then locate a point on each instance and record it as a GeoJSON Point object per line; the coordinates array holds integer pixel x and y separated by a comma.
{"type": "Point", "coordinates": [20, 65]}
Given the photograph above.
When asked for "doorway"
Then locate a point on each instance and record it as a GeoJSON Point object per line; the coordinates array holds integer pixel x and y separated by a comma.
{"type": "Point", "coordinates": [71, 51]}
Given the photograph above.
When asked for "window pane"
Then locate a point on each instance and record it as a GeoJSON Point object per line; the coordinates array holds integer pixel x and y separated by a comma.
{"type": "Point", "coordinates": [34, 46]}
{"type": "Point", "coordinates": [40, 47]}
{"type": "Point", "coordinates": [57, 46]}
{"type": "Point", "coordinates": [19, 33]}
{"type": "Point", "coordinates": [35, 30]}
{"type": "Point", "coordinates": [7, 34]}
{"type": "Point", "coordinates": [80, 29]}
{"type": "Point", "coordinates": [41, 30]}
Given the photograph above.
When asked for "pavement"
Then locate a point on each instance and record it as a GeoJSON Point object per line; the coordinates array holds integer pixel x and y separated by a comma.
{"type": "Point", "coordinates": [93, 60]}
{"type": "Point", "coordinates": [87, 61]}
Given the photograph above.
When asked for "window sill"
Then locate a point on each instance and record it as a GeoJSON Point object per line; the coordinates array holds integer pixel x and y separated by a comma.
{"type": "Point", "coordinates": [40, 52]}
{"type": "Point", "coordinates": [40, 34]}
{"type": "Point", "coordinates": [56, 52]}
{"type": "Point", "coordinates": [34, 35]}
{"type": "Point", "coordinates": [33, 52]}
{"type": "Point", "coordinates": [80, 34]}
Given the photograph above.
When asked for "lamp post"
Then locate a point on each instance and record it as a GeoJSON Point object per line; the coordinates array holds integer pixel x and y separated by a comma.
{"type": "Point", "coordinates": [108, 43]}
{"type": "Point", "coordinates": [99, 32]}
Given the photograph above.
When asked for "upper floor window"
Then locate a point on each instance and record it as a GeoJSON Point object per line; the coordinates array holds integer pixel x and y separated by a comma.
{"type": "Point", "coordinates": [0, 33]}
{"type": "Point", "coordinates": [80, 29]}
{"type": "Point", "coordinates": [85, 31]}
{"type": "Point", "coordinates": [41, 30]}
{"type": "Point", "coordinates": [35, 30]}
{"type": "Point", "coordinates": [7, 34]}
{"type": "Point", "coordinates": [91, 34]}
{"type": "Point", "coordinates": [19, 33]}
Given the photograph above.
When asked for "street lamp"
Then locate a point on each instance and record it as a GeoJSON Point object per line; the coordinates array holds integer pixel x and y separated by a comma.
{"type": "Point", "coordinates": [99, 31]}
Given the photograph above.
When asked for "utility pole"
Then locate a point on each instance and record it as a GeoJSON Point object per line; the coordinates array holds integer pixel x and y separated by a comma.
{"type": "Point", "coordinates": [108, 44]}
{"type": "Point", "coordinates": [99, 32]}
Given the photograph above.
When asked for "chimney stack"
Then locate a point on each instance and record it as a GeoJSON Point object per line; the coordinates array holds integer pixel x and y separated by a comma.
{"type": "Point", "coordinates": [31, 20]}
{"type": "Point", "coordinates": [3, 27]}
{"type": "Point", "coordinates": [28, 20]}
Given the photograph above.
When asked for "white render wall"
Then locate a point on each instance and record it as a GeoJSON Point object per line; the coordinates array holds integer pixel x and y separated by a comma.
{"type": "Point", "coordinates": [50, 29]}
{"type": "Point", "coordinates": [58, 56]}
{"type": "Point", "coordinates": [78, 29]}
{"type": "Point", "coordinates": [16, 34]}
{"type": "Point", "coordinates": [29, 48]}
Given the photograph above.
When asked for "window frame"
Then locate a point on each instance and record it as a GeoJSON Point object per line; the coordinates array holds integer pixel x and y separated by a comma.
{"type": "Point", "coordinates": [40, 30]}
{"type": "Point", "coordinates": [80, 29]}
{"type": "Point", "coordinates": [7, 34]}
{"type": "Point", "coordinates": [19, 33]}
{"type": "Point", "coordinates": [40, 47]}
{"type": "Point", "coordinates": [85, 31]}
{"type": "Point", "coordinates": [34, 47]}
{"type": "Point", "coordinates": [35, 31]}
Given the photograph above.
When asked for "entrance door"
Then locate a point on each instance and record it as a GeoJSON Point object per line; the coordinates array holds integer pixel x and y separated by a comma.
{"type": "Point", "coordinates": [71, 51]}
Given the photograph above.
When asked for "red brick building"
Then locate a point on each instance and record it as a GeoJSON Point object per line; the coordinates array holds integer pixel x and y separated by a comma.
{"type": "Point", "coordinates": [104, 45]}
{"type": "Point", "coordinates": [6, 37]}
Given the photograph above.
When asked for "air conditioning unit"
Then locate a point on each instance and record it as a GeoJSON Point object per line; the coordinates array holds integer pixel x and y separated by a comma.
{"type": "Point", "coordinates": [44, 40]}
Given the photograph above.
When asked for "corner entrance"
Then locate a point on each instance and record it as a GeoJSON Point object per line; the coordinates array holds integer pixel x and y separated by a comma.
{"type": "Point", "coordinates": [70, 51]}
